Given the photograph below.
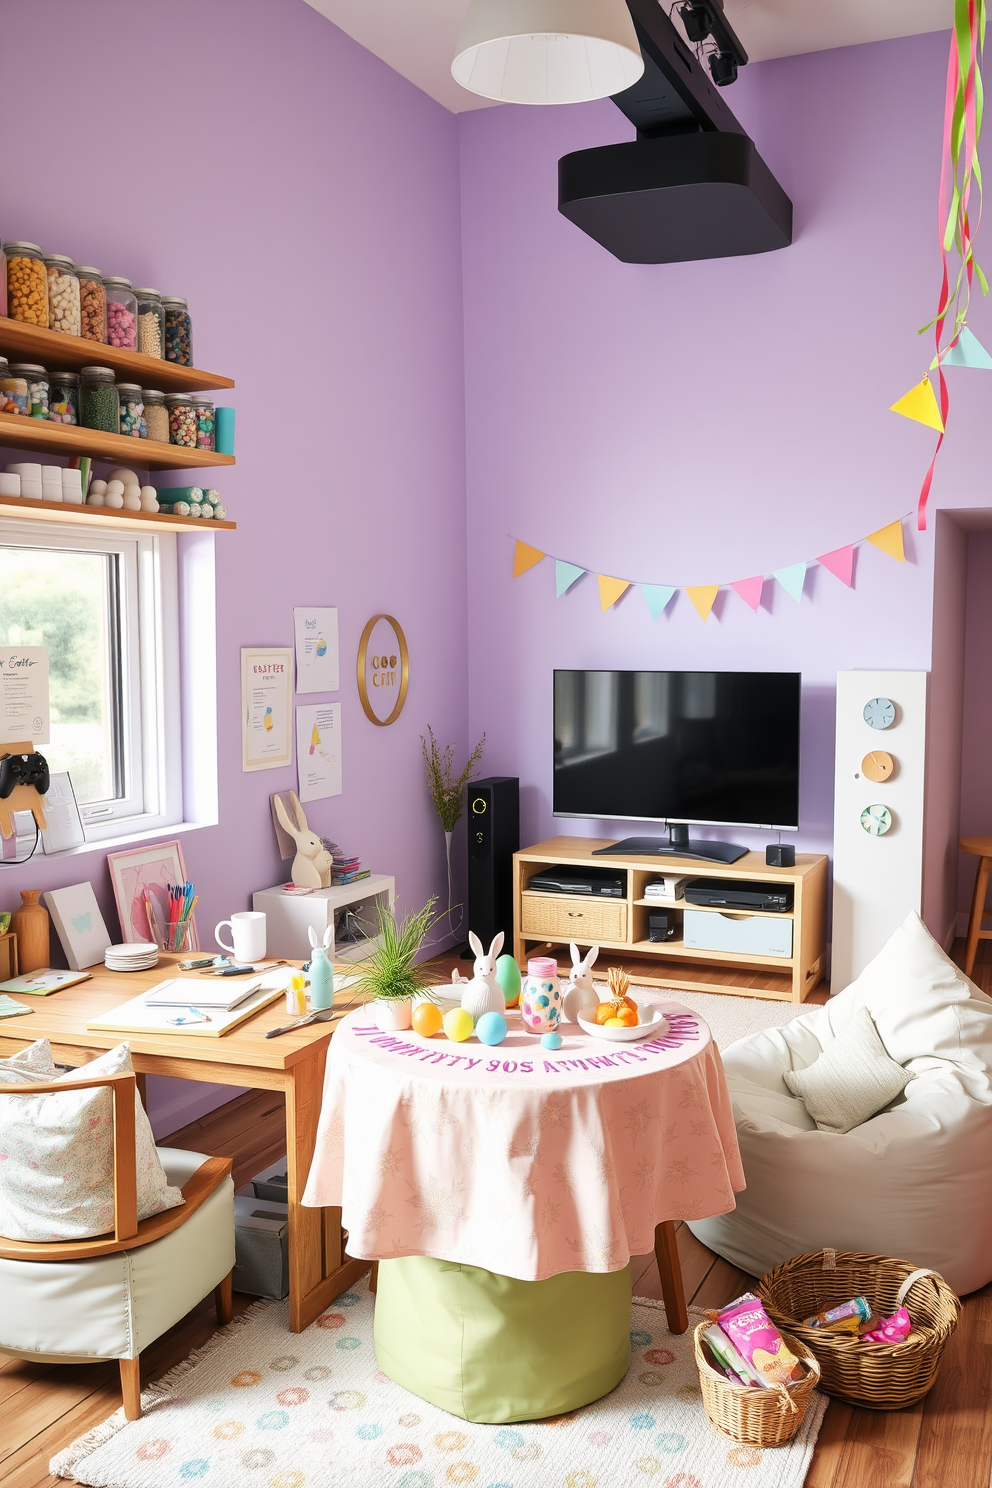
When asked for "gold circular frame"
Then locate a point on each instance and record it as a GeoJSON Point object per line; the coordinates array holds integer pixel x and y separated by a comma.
{"type": "Point", "coordinates": [363, 647]}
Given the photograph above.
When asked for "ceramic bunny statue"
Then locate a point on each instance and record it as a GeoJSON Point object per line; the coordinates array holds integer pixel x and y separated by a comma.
{"type": "Point", "coordinates": [483, 994]}
{"type": "Point", "coordinates": [312, 864]}
{"type": "Point", "coordinates": [579, 992]}
{"type": "Point", "coordinates": [321, 970]}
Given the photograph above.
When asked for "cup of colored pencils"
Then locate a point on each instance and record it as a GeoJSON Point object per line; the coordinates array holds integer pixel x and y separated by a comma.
{"type": "Point", "coordinates": [180, 934]}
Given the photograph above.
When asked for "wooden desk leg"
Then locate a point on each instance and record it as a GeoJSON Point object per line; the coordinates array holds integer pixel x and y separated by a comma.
{"type": "Point", "coordinates": [131, 1387]}
{"type": "Point", "coordinates": [224, 1300]}
{"type": "Point", "coordinates": [977, 914]}
{"type": "Point", "coordinates": [667, 1255]}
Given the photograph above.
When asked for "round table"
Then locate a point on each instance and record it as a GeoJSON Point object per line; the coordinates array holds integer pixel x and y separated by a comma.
{"type": "Point", "coordinates": [521, 1161]}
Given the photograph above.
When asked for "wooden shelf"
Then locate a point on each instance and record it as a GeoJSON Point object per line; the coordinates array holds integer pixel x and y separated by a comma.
{"type": "Point", "coordinates": [94, 516]}
{"type": "Point", "coordinates": [119, 449]}
{"type": "Point", "coordinates": [21, 342]}
{"type": "Point", "coordinates": [777, 914]}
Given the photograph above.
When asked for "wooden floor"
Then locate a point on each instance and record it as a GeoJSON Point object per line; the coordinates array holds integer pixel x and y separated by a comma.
{"type": "Point", "coordinates": [945, 1442]}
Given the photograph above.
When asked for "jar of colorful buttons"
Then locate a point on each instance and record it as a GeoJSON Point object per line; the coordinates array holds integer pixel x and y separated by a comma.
{"type": "Point", "coordinates": [37, 380]}
{"type": "Point", "coordinates": [182, 419]}
{"type": "Point", "coordinates": [63, 398]}
{"type": "Point", "coordinates": [132, 409]}
{"type": "Point", "coordinates": [540, 996]}
{"type": "Point", "coordinates": [122, 313]}
{"type": "Point", "coordinates": [204, 422]}
{"type": "Point", "coordinates": [178, 331]}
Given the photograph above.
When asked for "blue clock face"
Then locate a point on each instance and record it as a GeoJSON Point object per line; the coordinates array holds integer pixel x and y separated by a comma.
{"type": "Point", "coordinates": [879, 713]}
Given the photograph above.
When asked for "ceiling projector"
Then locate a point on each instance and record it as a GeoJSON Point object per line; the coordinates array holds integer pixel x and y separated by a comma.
{"type": "Point", "coordinates": [692, 185]}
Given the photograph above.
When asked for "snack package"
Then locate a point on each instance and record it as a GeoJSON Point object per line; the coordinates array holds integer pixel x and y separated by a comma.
{"type": "Point", "coordinates": [894, 1329]}
{"type": "Point", "coordinates": [751, 1330]}
{"type": "Point", "coordinates": [728, 1358]}
{"type": "Point", "coordinates": [846, 1317]}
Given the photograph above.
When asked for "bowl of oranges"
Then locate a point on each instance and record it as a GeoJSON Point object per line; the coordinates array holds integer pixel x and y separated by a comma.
{"type": "Point", "coordinates": [620, 1019]}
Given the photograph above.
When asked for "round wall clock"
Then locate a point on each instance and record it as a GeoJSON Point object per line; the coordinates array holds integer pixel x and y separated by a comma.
{"type": "Point", "coordinates": [877, 766]}
{"type": "Point", "coordinates": [876, 820]}
{"type": "Point", "coordinates": [383, 670]}
{"type": "Point", "coordinates": [879, 713]}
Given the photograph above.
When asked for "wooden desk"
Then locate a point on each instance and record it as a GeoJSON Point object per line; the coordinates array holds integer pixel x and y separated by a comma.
{"type": "Point", "coordinates": [319, 1268]}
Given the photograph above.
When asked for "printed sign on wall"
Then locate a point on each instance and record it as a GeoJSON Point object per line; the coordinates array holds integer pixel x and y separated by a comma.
{"type": "Point", "coordinates": [383, 670]}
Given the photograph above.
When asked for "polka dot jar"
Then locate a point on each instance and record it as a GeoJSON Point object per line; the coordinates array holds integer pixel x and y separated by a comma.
{"type": "Point", "coordinates": [540, 997]}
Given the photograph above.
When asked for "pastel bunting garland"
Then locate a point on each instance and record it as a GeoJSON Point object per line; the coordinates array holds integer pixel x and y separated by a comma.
{"type": "Point", "coordinates": [840, 562]}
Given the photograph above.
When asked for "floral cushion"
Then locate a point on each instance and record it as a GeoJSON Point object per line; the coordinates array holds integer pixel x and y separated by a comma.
{"type": "Point", "coordinates": [57, 1151]}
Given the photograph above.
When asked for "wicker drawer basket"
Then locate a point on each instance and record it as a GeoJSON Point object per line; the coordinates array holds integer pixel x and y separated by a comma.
{"type": "Point", "coordinates": [561, 918]}
{"type": "Point", "coordinates": [759, 1418]}
{"type": "Point", "coordinates": [878, 1376]}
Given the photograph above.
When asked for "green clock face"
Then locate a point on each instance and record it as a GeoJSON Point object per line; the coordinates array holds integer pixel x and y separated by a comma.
{"type": "Point", "coordinates": [876, 820]}
{"type": "Point", "coordinates": [879, 713]}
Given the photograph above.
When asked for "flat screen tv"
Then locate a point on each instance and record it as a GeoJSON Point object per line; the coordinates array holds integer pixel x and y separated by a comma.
{"type": "Point", "coordinates": [713, 748]}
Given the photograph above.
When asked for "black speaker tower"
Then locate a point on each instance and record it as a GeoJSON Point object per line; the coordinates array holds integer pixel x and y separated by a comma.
{"type": "Point", "coordinates": [493, 817]}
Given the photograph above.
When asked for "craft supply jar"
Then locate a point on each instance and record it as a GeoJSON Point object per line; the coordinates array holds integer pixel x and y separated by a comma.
{"type": "Point", "coordinates": [204, 422]}
{"type": "Point", "coordinates": [99, 402]}
{"type": "Point", "coordinates": [63, 398]}
{"type": "Point", "coordinates": [27, 283]}
{"type": "Point", "coordinates": [3, 282]}
{"type": "Point", "coordinates": [132, 409]}
{"type": "Point", "coordinates": [540, 996]}
{"type": "Point", "coordinates": [37, 381]}
{"type": "Point", "coordinates": [151, 323]}
{"type": "Point", "coordinates": [156, 415]}
{"type": "Point", "coordinates": [13, 391]}
{"type": "Point", "coordinates": [92, 305]}
{"type": "Point", "coordinates": [122, 313]}
{"type": "Point", "coordinates": [182, 419]}
{"type": "Point", "coordinates": [178, 331]}
{"type": "Point", "coordinates": [63, 294]}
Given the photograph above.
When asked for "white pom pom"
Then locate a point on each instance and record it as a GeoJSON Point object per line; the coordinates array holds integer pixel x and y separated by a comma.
{"type": "Point", "coordinates": [149, 499]}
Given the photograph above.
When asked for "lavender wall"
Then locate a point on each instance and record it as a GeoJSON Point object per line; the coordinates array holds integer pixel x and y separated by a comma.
{"type": "Point", "coordinates": [695, 423]}
{"type": "Point", "coordinates": [304, 198]}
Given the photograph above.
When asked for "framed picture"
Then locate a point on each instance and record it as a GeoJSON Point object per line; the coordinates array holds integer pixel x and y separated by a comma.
{"type": "Point", "coordinates": [141, 878]}
{"type": "Point", "coordinates": [79, 923]}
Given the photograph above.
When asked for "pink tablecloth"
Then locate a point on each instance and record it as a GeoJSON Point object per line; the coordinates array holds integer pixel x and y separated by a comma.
{"type": "Point", "coordinates": [520, 1160]}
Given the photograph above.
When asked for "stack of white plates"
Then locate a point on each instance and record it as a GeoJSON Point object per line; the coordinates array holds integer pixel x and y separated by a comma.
{"type": "Point", "coordinates": [137, 955]}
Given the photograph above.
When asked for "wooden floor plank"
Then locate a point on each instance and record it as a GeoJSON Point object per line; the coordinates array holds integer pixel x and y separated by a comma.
{"type": "Point", "coordinates": [959, 1407]}
{"type": "Point", "coordinates": [830, 1444]}
{"type": "Point", "coordinates": [881, 1449]}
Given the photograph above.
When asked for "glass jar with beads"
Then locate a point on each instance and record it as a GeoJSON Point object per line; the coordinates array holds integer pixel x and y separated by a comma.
{"type": "Point", "coordinates": [204, 409]}
{"type": "Point", "coordinates": [63, 398]}
{"type": "Point", "coordinates": [37, 380]}
{"type": "Point", "coordinates": [156, 415]}
{"type": "Point", "coordinates": [178, 331]}
{"type": "Point", "coordinates": [151, 323]}
{"type": "Point", "coordinates": [92, 305]}
{"type": "Point", "coordinates": [132, 413]}
{"type": "Point", "coordinates": [122, 313]}
{"type": "Point", "coordinates": [27, 284]}
{"type": "Point", "coordinates": [99, 401]}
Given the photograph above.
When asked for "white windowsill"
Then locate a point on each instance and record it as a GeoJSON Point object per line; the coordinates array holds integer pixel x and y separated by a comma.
{"type": "Point", "coordinates": [126, 839]}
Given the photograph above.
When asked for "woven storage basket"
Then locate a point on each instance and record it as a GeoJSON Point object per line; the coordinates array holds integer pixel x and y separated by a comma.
{"type": "Point", "coordinates": [878, 1376]}
{"type": "Point", "coordinates": [759, 1418]}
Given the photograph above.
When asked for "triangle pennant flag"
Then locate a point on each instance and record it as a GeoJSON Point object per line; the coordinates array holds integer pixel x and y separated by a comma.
{"type": "Point", "coordinates": [524, 557]}
{"type": "Point", "coordinates": [968, 351]}
{"type": "Point", "coordinates": [792, 579]}
{"type": "Point", "coordinates": [889, 539]}
{"type": "Point", "coordinates": [610, 590]}
{"type": "Point", "coordinates": [702, 597]}
{"type": "Point", "coordinates": [750, 591]}
{"type": "Point", "coordinates": [566, 575]}
{"type": "Point", "coordinates": [840, 563]}
{"type": "Point", "coordinates": [657, 596]}
{"type": "Point", "coordinates": [920, 403]}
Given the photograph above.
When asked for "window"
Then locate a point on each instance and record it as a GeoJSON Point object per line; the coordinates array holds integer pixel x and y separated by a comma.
{"type": "Point", "coordinates": [106, 606]}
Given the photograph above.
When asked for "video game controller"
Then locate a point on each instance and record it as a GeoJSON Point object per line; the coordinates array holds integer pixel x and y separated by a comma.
{"type": "Point", "coordinates": [23, 769]}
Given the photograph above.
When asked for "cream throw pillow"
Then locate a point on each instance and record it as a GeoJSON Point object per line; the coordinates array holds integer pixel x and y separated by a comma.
{"type": "Point", "coordinates": [852, 1080]}
{"type": "Point", "coordinates": [57, 1151]}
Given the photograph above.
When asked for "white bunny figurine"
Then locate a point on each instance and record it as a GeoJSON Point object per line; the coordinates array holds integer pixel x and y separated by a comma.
{"type": "Point", "coordinates": [579, 993]}
{"type": "Point", "coordinates": [312, 864]}
{"type": "Point", "coordinates": [483, 994]}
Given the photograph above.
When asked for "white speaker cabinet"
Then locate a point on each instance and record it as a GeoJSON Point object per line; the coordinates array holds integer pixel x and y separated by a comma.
{"type": "Point", "coordinates": [879, 787]}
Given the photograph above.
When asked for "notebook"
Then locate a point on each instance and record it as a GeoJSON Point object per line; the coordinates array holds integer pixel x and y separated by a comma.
{"type": "Point", "coordinates": [41, 983]}
{"type": "Point", "coordinates": [225, 993]}
{"type": "Point", "coordinates": [136, 1016]}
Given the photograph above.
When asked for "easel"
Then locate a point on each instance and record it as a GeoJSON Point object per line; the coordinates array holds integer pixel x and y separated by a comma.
{"type": "Point", "coordinates": [22, 797]}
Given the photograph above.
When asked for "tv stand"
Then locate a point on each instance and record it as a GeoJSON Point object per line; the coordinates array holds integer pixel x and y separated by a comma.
{"type": "Point", "coordinates": [679, 845]}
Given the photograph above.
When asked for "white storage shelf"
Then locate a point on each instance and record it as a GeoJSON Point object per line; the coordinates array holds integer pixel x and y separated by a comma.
{"type": "Point", "coordinates": [289, 917]}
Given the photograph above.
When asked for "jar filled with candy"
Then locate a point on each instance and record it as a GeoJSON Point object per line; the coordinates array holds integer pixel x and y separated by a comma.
{"type": "Point", "coordinates": [204, 422]}
{"type": "Point", "coordinates": [13, 391]}
{"type": "Point", "coordinates": [99, 404]}
{"type": "Point", "coordinates": [182, 419]}
{"type": "Point", "coordinates": [63, 294]}
{"type": "Point", "coordinates": [37, 380]}
{"type": "Point", "coordinates": [178, 331]}
{"type": "Point", "coordinates": [151, 322]}
{"type": "Point", "coordinates": [132, 409]}
{"type": "Point", "coordinates": [63, 398]}
{"type": "Point", "coordinates": [3, 282]}
{"type": "Point", "coordinates": [122, 313]}
{"type": "Point", "coordinates": [156, 415]}
{"type": "Point", "coordinates": [27, 284]}
{"type": "Point", "coordinates": [92, 305]}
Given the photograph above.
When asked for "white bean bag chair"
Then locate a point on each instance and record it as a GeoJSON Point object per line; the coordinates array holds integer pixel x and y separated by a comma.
{"type": "Point", "coordinates": [914, 1181]}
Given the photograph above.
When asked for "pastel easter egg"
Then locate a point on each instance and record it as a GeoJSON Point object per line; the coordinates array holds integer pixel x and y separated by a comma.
{"type": "Point", "coordinates": [426, 1019]}
{"type": "Point", "coordinates": [491, 1028]}
{"type": "Point", "coordinates": [508, 976]}
{"type": "Point", "coordinates": [551, 1040]}
{"type": "Point", "coordinates": [458, 1025]}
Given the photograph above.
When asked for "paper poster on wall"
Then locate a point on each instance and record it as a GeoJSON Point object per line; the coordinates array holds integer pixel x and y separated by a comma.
{"type": "Point", "coordinates": [318, 750]}
{"type": "Point", "coordinates": [317, 661]}
{"type": "Point", "coordinates": [24, 694]}
{"type": "Point", "coordinates": [266, 706]}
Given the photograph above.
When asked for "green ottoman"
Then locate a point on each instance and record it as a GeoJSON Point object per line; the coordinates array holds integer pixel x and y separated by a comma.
{"type": "Point", "coordinates": [489, 1348]}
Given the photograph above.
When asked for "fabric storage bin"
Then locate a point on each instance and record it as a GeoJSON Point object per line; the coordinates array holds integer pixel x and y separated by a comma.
{"type": "Point", "coordinates": [272, 1182]}
{"type": "Point", "coordinates": [261, 1233]}
{"type": "Point", "coordinates": [752, 935]}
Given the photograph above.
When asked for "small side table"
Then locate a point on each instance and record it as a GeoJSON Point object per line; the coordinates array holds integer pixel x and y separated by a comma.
{"type": "Point", "coordinates": [981, 847]}
{"type": "Point", "coordinates": [289, 916]}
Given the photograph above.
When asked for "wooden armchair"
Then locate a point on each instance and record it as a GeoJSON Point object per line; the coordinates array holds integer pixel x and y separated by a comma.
{"type": "Point", "coordinates": [111, 1296]}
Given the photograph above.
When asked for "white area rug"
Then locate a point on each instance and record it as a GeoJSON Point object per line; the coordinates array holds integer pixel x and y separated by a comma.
{"type": "Point", "coordinates": [262, 1406]}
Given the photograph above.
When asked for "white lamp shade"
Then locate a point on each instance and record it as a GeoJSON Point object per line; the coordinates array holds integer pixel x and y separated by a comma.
{"type": "Point", "coordinates": [547, 51]}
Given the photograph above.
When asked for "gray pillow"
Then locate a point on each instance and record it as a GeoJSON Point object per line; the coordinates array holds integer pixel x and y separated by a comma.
{"type": "Point", "coordinates": [852, 1079]}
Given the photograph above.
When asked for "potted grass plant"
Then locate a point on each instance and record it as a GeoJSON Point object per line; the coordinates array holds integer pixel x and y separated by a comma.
{"type": "Point", "coordinates": [389, 977]}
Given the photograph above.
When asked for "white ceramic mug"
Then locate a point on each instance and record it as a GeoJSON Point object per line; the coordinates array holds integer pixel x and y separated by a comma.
{"type": "Point", "coordinates": [248, 934]}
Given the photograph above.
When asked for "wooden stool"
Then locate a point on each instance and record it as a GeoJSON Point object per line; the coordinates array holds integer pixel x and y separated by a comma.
{"type": "Point", "coordinates": [982, 849]}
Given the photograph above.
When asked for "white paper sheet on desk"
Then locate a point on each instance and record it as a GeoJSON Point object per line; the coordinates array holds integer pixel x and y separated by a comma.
{"type": "Point", "coordinates": [136, 1016]}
